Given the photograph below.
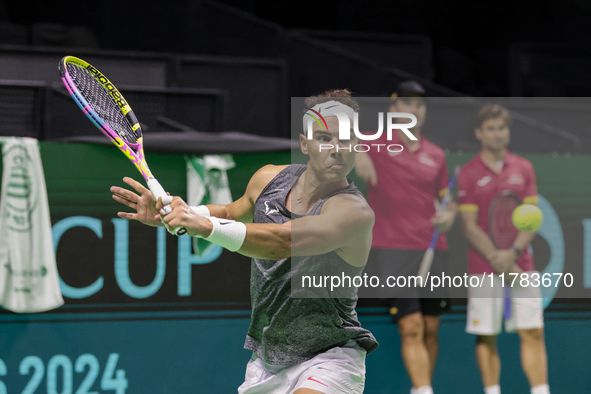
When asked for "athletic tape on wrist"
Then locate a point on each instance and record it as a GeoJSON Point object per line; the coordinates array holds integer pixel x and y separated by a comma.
{"type": "Point", "coordinates": [227, 233]}
{"type": "Point", "coordinates": [202, 210]}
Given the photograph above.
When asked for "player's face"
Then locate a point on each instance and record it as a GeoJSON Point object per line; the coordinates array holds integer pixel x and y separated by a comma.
{"type": "Point", "coordinates": [411, 105]}
{"type": "Point", "coordinates": [330, 158]}
{"type": "Point", "coordinates": [494, 134]}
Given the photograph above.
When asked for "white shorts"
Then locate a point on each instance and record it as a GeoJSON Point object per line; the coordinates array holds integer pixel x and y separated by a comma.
{"type": "Point", "coordinates": [337, 371]}
{"type": "Point", "coordinates": [486, 306]}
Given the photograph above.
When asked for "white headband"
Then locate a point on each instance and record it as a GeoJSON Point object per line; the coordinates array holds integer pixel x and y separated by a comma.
{"type": "Point", "coordinates": [330, 108]}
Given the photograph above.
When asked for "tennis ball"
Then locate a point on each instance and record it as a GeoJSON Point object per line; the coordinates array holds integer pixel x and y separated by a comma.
{"type": "Point", "coordinates": [527, 217]}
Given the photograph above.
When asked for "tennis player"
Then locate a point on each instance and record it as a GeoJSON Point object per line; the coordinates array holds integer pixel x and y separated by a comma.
{"type": "Point", "coordinates": [493, 170]}
{"type": "Point", "coordinates": [291, 218]}
{"type": "Point", "coordinates": [402, 188]}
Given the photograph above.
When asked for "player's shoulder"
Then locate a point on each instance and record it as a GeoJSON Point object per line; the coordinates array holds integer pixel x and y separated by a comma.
{"type": "Point", "coordinates": [266, 173]}
{"type": "Point", "coordinates": [351, 205]}
{"type": "Point", "coordinates": [356, 199]}
{"type": "Point", "coordinates": [262, 178]}
{"type": "Point", "coordinates": [521, 161]}
{"type": "Point", "coordinates": [471, 168]}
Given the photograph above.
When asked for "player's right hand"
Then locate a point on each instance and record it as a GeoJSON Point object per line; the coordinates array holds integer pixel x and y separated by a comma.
{"type": "Point", "coordinates": [365, 169]}
{"type": "Point", "coordinates": [142, 202]}
{"type": "Point", "coordinates": [183, 216]}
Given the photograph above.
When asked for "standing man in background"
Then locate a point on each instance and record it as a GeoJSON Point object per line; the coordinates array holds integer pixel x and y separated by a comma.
{"type": "Point", "coordinates": [494, 170]}
{"type": "Point", "coordinates": [403, 189]}
{"type": "Point", "coordinates": [291, 220]}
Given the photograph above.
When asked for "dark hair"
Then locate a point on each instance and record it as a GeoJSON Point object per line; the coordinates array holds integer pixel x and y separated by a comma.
{"type": "Point", "coordinates": [492, 111]}
{"type": "Point", "coordinates": [341, 95]}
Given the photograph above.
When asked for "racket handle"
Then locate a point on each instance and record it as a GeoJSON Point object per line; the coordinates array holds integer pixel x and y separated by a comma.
{"type": "Point", "coordinates": [158, 192]}
{"type": "Point", "coordinates": [507, 304]}
{"type": "Point", "coordinates": [426, 265]}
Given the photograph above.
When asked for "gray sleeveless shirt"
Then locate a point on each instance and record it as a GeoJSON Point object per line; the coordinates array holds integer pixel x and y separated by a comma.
{"type": "Point", "coordinates": [286, 330]}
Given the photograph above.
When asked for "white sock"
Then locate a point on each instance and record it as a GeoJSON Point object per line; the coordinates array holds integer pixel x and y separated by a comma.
{"type": "Point", "coordinates": [496, 389]}
{"type": "Point", "coordinates": [424, 390]}
{"type": "Point", "coordinates": [541, 389]}
{"type": "Point", "coordinates": [413, 391]}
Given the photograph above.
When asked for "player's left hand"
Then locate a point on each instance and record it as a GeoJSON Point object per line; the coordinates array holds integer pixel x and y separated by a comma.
{"type": "Point", "coordinates": [183, 216]}
{"type": "Point", "coordinates": [443, 220]}
{"type": "Point", "coordinates": [141, 201]}
{"type": "Point", "coordinates": [502, 260]}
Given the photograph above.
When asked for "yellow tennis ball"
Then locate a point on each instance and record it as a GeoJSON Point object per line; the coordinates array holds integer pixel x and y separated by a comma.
{"type": "Point", "coordinates": [527, 217]}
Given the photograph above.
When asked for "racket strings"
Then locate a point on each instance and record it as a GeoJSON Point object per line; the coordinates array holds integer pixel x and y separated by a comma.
{"type": "Point", "coordinates": [503, 230]}
{"type": "Point", "coordinates": [102, 103]}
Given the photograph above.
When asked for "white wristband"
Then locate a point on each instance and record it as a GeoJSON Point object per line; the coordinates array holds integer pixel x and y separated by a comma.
{"type": "Point", "coordinates": [227, 233]}
{"type": "Point", "coordinates": [201, 210]}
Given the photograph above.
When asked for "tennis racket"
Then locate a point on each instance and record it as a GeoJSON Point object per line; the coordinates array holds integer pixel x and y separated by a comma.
{"type": "Point", "coordinates": [105, 106]}
{"type": "Point", "coordinates": [502, 231]}
{"type": "Point", "coordinates": [430, 252]}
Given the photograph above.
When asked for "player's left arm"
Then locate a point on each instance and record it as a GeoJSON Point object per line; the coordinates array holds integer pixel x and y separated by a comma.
{"type": "Point", "coordinates": [259, 240]}
{"type": "Point", "coordinates": [142, 201]}
{"type": "Point", "coordinates": [344, 226]}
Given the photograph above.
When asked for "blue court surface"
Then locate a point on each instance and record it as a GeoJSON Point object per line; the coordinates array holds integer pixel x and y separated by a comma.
{"type": "Point", "coordinates": [201, 352]}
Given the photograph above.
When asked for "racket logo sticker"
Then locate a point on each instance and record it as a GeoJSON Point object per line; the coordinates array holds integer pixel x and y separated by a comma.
{"type": "Point", "coordinates": [125, 108]}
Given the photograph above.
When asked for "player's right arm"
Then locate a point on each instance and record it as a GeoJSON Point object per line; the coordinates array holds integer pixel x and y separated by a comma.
{"type": "Point", "coordinates": [344, 226]}
{"type": "Point", "coordinates": [478, 238]}
{"type": "Point", "coordinates": [262, 240]}
{"type": "Point", "coordinates": [144, 203]}
{"type": "Point", "coordinates": [474, 234]}
{"type": "Point", "coordinates": [349, 235]}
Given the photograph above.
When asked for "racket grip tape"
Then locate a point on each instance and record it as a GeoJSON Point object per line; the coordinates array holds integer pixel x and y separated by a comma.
{"type": "Point", "coordinates": [158, 192]}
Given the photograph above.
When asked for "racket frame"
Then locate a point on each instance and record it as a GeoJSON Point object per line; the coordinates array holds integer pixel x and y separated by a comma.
{"type": "Point", "coordinates": [427, 260]}
{"type": "Point", "coordinates": [133, 151]}
{"type": "Point", "coordinates": [491, 213]}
